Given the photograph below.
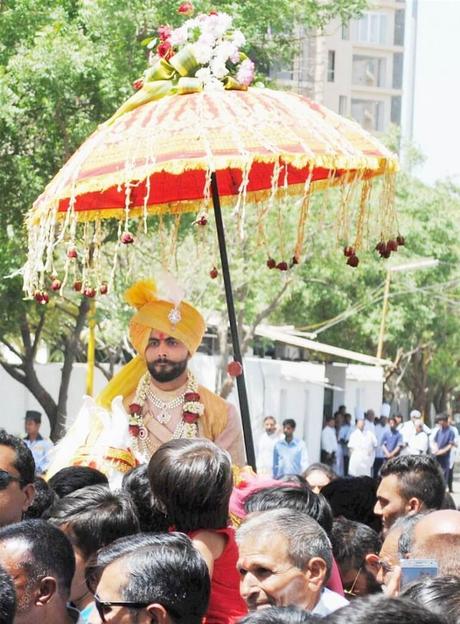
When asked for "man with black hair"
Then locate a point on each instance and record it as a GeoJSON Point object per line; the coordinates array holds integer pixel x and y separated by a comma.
{"type": "Point", "coordinates": [7, 598]}
{"type": "Point", "coordinates": [281, 615]}
{"type": "Point", "coordinates": [148, 578]}
{"type": "Point", "coordinates": [355, 547]}
{"type": "Point", "coordinates": [293, 497]}
{"type": "Point", "coordinates": [40, 559]}
{"type": "Point", "coordinates": [410, 484]}
{"type": "Point", "coordinates": [39, 445]}
{"type": "Point", "coordinates": [73, 478]}
{"type": "Point", "coordinates": [290, 455]}
{"type": "Point", "coordinates": [91, 518]}
{"type": "Point", "coordinates": [43, 499]}
{"type": "Point", "coordinates": [17, 474]}
{"type": "Point", "coordinates": [383, 610]}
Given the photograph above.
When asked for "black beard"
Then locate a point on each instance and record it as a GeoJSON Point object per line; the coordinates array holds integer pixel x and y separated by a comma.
{"type": "Point", "coordinates": [169, 372]}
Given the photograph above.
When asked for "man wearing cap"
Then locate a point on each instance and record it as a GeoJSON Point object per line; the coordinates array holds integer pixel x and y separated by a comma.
{"type": "Point", "coordinates": [408, 430]}
{"type": "Point", "coordinates": [154, 397]}
{"type": "Point", "coordinates": [39, 446]}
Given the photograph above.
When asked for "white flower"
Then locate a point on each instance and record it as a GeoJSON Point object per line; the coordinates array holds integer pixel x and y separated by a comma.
{"type": "Point", "coordinates": [225, 50]}
{"type": "Point", "coordinates": [203, 74]}
{"type": "Point", "coordinates": [179, 36]}
{"type": "Point", "coordinates": [202, 53]}
{"type": "Point", "coordinates": [218, 68]}
{"type": "Point", "coordinates": [207, 39]}
{"type": "Point", "coordinates": [245, 73]}
{"type": "Point", "coordinates": [224, 23]}
{"type": "Point", "coordinates": [238, 38]}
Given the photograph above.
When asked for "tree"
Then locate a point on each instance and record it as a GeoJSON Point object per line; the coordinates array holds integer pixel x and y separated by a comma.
{"type": "Point", "coordinates": [65, 67]}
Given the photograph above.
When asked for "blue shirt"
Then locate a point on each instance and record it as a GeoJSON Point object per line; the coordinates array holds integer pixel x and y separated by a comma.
{"type": "Point", "coordinates": [444, 437]}
{"type": "Point", "coordinates": [392, 439]}
{"type": "Point", "coordinates": [40, 448]}
{"type": "Point", "coordinates": [290, 458]}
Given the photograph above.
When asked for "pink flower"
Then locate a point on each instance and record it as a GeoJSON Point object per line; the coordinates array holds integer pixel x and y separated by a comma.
{"type": "Point", "coordinates": [245, 73]}
{"type": "Point", "coordinates": [186, 8]}
{"type": "Point", "coordinates": [165, 50]}
{"type": "Point", "coordinates": [164, 32]}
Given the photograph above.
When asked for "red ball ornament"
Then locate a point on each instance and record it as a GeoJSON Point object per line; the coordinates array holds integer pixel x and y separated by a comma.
{"type": "Point", "coordinates": [138, 84]}
{"type": "Point", "coordinates": [103, 288]}
{"type": "Point", "coordinates": [294, 260]}
{"type": "Point", "coordinates": [55, 284]}
{"type": "Point", "coordinates": [348, 252]}
{"type": "Point", "coordinates": [190, 417]}
{"type": "Point", "coordinates": [89, 292]}
{"type": "Point", "coordinates": [380, 246]}
{"type": "Point", "coordinates": [72, 253]}
{"type": "Point", "coordinates": [190, 397]}
{"type": "Point", "coordinates": [135, 408]}
{"type": "Point", "coordinates": [392, 245]}
{"type": "Point", "coordinates": [38, 296]}
{"type": "Point", "coordinates": [134, 430]}
{"type": "Point", "coordinates": [282, 266]}
{"type": "Point", "coordinates": [271, 263]}
{"type": "Point", "coordinates": [127, 238]}
{"type": "Point", "coordinates": [203, 220]}
{"type": "Point", "coordinates": [400, 240]}
{"type": "Point", "coordinates": [77, 286]}
{"type": "Point", "coordinates": [235, 369]}
{"type": "Point", "coordinates": [353, 261]}
{"type": "Point", "coordinates": [213, 273]}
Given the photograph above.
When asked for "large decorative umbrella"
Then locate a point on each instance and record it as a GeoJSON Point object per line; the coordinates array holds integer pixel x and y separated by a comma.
{"type": "Point", "coordinates": [177, 147]}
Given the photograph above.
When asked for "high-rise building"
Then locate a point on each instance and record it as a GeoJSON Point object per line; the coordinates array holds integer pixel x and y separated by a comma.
{"type": "Point", "coordinates": [355, 69]}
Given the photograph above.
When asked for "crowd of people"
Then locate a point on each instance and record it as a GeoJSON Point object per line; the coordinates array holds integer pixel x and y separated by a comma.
{"type": "Point", "coordinates": [188, 539]}
{"type": "Point", "coordinates": [147, 513]}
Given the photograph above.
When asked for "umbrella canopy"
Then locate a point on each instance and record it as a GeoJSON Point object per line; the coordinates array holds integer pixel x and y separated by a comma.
{"type": "Point", "coordinates": [158, 158]}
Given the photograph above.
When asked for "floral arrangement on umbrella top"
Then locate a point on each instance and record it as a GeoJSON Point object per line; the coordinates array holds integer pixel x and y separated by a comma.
{"type": "Point", "coordinates": [214, 44]}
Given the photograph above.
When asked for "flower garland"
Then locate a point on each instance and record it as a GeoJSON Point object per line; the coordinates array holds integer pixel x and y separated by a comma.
{"type": "Point", "coordinates": [192, 409]}
{"type": "Point", "coordinates": [213, 44]}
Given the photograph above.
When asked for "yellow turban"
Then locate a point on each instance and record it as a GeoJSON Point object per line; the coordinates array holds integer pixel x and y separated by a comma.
{"type": "Point", "coordinates": [153, 313]}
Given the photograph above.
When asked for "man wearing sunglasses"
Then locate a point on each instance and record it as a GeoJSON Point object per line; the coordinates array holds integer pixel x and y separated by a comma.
{"type": "Point", "coordinates": [17, 473]}
{"type": "Point", "coordinates": [148, 578]}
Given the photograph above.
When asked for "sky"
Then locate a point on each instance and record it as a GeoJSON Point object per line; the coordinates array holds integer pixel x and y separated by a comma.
{"type": "Point", "coordinates": [437, 89]}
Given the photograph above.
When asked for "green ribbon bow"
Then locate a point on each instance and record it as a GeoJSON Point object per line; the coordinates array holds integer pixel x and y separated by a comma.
{"type": "Point", "coordinates": [176, 76]}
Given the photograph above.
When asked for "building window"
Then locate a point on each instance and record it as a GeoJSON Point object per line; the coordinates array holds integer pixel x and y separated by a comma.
{"type": "Point", "coordinates": [331, 65]}
{"type": "Point", "coordinates": [368, 113]}
{"type": "Point", "coordinates": [395, 115]}
{"type": "Point", "coordinates": [397, 70]}
{"type": "Point", "coordinates": [400, 17]}
{"type": "Point", "coordinates": [342, 104]}
{"type": "Point", "coordinates": [368, 71]}
{"type": "Point", "coordinates": [346, 31]}
{"type": "Point", "coordinates": [371, 28]}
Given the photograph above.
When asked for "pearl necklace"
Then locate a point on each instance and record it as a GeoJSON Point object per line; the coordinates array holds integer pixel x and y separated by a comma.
{"type": "Point", "coordinates": [165, 408]}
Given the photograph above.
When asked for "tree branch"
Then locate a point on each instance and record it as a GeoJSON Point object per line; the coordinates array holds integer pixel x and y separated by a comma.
{"type": "Point", "coordinates": [13, 370]}
{"type": "Point", "coordinates": [38, 333]}
{"type": "Point", "coordinates": [12, 349]}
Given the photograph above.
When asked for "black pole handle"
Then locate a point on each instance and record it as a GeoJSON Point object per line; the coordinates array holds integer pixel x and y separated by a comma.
{"type": "Point", "coordinates": [240, 381]}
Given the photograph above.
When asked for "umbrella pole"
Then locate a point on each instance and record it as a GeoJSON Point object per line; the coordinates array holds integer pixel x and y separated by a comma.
{"type": "Point", "coordinates": [240, 381]}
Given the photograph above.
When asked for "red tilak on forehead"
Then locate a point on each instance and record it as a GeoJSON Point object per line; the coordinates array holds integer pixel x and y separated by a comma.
{"type": "Point", "coordinates": [162, 336]}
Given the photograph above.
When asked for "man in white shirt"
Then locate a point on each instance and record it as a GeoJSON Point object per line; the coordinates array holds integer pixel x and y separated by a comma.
{"type": "Point", "coordinates": [408, 430]}
{"type": "Point", "coordinates": [329, 445]}
{"type": "Point", "coordinates": [362, 445]}
{"type": "Point", "coordinates": [418, 443]}
{"type": "Point", "coordinates": [266, 444]}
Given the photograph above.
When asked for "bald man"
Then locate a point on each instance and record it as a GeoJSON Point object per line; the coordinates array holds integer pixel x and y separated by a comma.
{"type": "Point", "coordinates": [437, 536]}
